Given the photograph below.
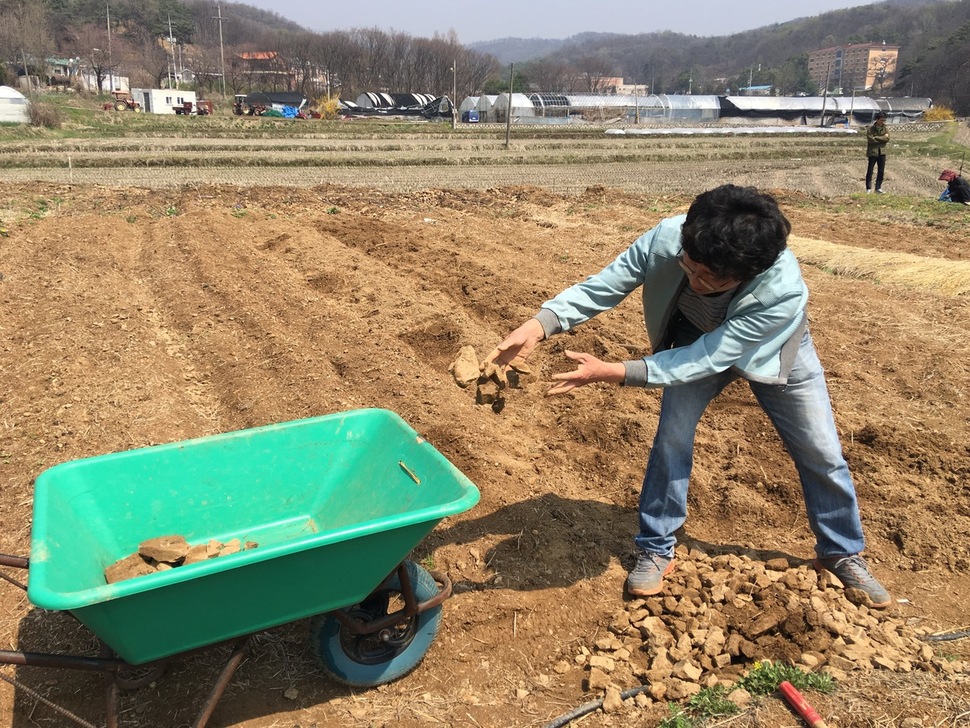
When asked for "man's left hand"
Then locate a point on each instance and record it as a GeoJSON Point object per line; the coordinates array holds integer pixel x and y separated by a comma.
{"type": "Point", "coordinates": [589, 370]}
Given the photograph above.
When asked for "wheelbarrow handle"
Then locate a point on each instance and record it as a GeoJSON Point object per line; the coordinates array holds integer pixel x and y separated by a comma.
{"type": "Point", "coordinates": [17, 562]}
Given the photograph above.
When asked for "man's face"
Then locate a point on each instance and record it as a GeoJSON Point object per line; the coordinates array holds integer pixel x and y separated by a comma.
{"type": "Point", "coordinates": [701, 279]}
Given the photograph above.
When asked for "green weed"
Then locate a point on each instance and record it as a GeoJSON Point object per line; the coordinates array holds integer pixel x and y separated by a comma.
{"type": "Point", "coordinates": [677, 719]}
{"type": "Point", "coordinates": [765, 677]}
{"type": "Point", "coordinates": [708, 703]}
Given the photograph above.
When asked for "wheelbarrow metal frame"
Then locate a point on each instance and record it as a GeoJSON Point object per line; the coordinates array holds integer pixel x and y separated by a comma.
{"type": "Point", "coordinates": [113, 666]}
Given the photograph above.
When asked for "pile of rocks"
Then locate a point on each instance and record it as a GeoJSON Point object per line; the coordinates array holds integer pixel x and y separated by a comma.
{"type": "Point", "coordinates": [168, 552]}
{"type": "Point", "coordinates": [718, 615]}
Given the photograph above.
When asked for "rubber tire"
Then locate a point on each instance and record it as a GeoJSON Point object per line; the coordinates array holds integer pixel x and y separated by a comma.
{"type": "Point", "coordinates": [333, 644]}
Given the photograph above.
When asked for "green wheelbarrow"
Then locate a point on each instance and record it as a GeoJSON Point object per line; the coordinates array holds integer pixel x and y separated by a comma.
{"type": "Point", "coordinates": [331, 506]}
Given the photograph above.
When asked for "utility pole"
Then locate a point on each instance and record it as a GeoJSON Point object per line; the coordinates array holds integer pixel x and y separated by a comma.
{"type": "Point", "coordinates": [508, 116]}
{"type": "Point", "coordinates": [111, 73]}
{"type": "Point", "coordinates": [171, 44]}
{"type": "Point", "coordinates": [828, 70]}
{"type": "Point", "coordinates": [23, 55]}
{"type": "Point", "coordinates": [454, 94]}
{"type": "Point", "coordinates": [222, 54]}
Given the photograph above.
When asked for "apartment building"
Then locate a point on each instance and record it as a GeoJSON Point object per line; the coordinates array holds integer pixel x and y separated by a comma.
{"type": "Point", "coordinates": [858, 67]}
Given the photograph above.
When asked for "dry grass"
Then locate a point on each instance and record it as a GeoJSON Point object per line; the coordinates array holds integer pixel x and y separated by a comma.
{"type": "Point", "coordinates": [945, 277]}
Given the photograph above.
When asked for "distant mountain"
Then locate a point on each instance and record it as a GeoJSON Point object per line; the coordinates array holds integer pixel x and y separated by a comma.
{"type": "Point", "coordinates": [933, 37]}
{"type": "Point", "coordinates": [520, 50]}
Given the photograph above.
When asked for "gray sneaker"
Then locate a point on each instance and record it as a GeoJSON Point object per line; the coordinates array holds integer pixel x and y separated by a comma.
{"type": "Point", "coordinates": [646, 577]}
{"type": "Point", "coordinates": [854, 573]}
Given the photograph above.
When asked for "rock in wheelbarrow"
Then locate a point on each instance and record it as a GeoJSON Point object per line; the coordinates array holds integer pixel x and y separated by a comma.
{"type": "Point", "coordinates": [165, 549]}
{"type": "Point", "coordinates": [128, 568]}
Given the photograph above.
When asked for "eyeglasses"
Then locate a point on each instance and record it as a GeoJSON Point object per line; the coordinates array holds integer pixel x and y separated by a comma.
{"type": "Point", "coordinates": [712, 285]}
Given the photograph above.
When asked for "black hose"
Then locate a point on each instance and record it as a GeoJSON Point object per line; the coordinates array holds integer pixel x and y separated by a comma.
{"type": "Point", "coordinates": [948, 636]}
{"type": "Point", "coordinates": [595, 705]}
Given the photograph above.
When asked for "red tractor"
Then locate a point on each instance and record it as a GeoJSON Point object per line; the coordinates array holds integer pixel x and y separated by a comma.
{"type": "Point", "coordinates": [123, 101]}
{"type": "Point", "coordinates": [199, 108]}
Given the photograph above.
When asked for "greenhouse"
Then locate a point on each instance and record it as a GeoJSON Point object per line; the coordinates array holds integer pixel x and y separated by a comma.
{"type": "Point", "coordinates": [484, 107]}
{"type": "Point", "coordinates": [518, 106]}
{"type": "Point", "coordinates": [381, 100]}
{"type": "Point", "coordinates": [557, 108]}
{"type": "Point", "coordinates": [469, 103]}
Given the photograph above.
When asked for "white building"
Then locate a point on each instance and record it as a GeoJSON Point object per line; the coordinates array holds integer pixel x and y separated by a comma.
{"type": "Point", "coordinates": [162, 100]}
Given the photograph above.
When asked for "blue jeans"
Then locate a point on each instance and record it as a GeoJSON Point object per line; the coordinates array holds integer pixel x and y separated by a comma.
{"type": "Point", "coordinates": [801, 413]}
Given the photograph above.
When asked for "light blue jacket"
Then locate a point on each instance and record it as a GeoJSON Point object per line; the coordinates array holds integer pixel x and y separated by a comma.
{"type": "Point", "coordinates": [760, 335]}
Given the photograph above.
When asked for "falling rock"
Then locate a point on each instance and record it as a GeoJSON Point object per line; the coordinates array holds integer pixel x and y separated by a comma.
{"type": "Point", "coordinates": [487, 392]}
{"type": "Point", "coordinates": [465, 367]}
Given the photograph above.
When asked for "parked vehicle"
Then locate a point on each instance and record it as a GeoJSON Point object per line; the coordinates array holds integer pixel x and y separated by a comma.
{"type": "Point", "coordinates": [123, 101]}
{"type": "Point", "coordinates": [199, 108]}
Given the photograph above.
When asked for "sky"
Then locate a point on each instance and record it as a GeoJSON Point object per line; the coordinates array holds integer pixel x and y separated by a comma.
{"type": "Point", "coordinates": [551, 19]}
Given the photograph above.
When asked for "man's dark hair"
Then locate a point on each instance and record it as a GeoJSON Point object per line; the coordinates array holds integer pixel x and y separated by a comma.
{"type": "Point", "coordinates": [737, 232]}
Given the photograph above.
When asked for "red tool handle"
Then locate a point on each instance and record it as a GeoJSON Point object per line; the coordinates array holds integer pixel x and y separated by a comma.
{"type": "Point", "coordinates": [799, 703]}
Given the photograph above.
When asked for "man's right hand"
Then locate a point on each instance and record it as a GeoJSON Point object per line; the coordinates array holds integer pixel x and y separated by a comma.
{"type": "Point", "coordinates": [517, 345]}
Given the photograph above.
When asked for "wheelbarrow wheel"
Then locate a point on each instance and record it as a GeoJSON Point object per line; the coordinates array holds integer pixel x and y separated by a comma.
{"type": "Point", "coordinates": [370, 660]}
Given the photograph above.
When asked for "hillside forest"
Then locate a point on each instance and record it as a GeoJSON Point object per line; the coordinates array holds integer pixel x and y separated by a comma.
{"type": "Point", "coordinates": [145, 40]}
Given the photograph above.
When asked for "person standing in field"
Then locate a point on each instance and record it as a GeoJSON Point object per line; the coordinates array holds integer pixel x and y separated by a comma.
{"type": "Point", "coordinates": [723, 298]}
{"type": "Point", "coordinates": [877, 137]}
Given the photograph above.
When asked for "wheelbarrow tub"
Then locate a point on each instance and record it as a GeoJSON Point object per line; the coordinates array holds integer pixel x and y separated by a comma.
{"type": "Point", "coordinates": [334, 503]}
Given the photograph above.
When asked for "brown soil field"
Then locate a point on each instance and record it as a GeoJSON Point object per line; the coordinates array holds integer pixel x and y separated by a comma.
{"type": "Point", "coordinates": [164, 307]}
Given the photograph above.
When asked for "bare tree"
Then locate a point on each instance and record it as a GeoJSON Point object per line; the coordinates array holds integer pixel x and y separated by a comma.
{"type": "Point", "coordinates": [90, 44]}
{"type": "Point", "coordinates": [337, 58]}
{"type": "Point", "coordinates": [25, 38]}
{"type": "Point", "coordinates": [551, 75]}
{"type": "Point", "coordinates": [149, 59]}
{"type": "Point", "coordinates": [594, 70]}
{"type": "Point", "coordinates": [302, 51]}
{"type": "Point", "coordinates": [374, 57]}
